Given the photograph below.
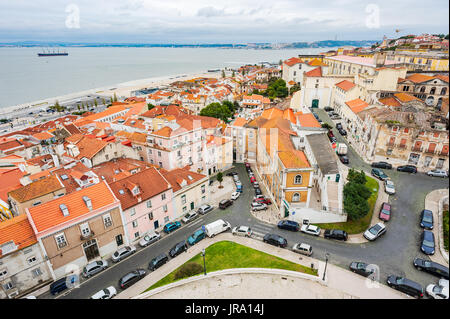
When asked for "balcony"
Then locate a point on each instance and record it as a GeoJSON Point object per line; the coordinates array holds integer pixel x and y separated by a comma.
{"type": "Point", "coordinates": [428, 151]}
{"type": "Point", "coordinates": [86, 236]}
{"type": "Point", "coordinates": [416, 149]}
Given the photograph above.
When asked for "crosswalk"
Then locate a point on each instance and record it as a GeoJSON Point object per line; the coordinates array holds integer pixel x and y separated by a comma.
{"type": "Point", "coordinates": [260, 230]}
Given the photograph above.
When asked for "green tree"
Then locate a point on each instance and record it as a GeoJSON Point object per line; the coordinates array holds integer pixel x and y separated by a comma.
{"type": "Point", "coordinates": [220, 179]}
{"type": "Point", "coordinates": [233, 74]}
{"type": "Point", "coordinates": [277, 88]}
{"type": "Point", "coordinates": [115, 97]}
{"type": "Point", "coordinates": [217, 110]}
{"type": "Point", "coordinates": [223, 74]}
{"type": "Point", "coordinates": [188, 270]}
{"type": "Point", "coordinates": [356, 177]}
{"type": "Point", "coordinates": [103, 101]}
{"type": "Point", "coordinates": [294, 88]}
{"type": "Point", "coordinates": [95, 103]}
{"type": "Point", "coordinates": [229, 105]}
{"type": "Point", "coordinates": [150, 106]}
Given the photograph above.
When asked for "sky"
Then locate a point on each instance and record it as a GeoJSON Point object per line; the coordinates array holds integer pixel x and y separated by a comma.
{"type": "Point", "coordinates": [211, 21]}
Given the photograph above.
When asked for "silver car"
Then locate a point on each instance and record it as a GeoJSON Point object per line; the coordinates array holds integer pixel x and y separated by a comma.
{"type": "Point", "coordinates": [149, 238]}
{"type": "Point", "coordinates": [437, 173]}
{"type": "Point", "coordinates": [123, 253]}
{"type": "Point", "coordinates": [389, 187]}
{"type": "Point", "coordinates": [310, 229]}
{"type": "Point", "coordinates": [303, 249]}
{"type": "Point", "coordinates": [189, 217]}
{"type": "Point", "coordinates": [106, 293]}
{"type": "Point", "coordinates": [258, 206]}
{"type": "Point", "coordinates": [94, 268]}
{"type": "Point", "coordinates": [242, 231]}
{"type": "Point", "coordinates": [375, 231]}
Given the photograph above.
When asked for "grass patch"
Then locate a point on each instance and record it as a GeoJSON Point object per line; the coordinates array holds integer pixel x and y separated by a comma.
{"type": "Point", "coordinates": [445, 226]}
{"type": "Point", "coordinates": [228, 255]}
{"type": "Point", "coordinates": [359, 225]}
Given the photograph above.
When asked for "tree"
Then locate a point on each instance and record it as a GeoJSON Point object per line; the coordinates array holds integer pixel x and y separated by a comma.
{"type": "Point", "coordinates": [217, 110]}
{"type": "Point", "coordinates": [229, 105]}
{"type": "Point", "coordinates": [150, 106]}
{"type": "Point", "coordinates": [188, 270]}
{"type": "Point", "coordinates": [233, 74]}
{"type": "Point", "coordinates": [277, 88]}
{"type": "Point", "coordinates": [294, 89]}
{"type": "Point", "coordinates": [223, 73]}
{"type": "Point", "coordinates": [95, 103]}
{"type": "Point", "coordinates": [327, 126]}
{"type": "Point", "coordinates": [220, 179]}
{"type": "Point", "coordinates": [115, 97]}
{"type": "Point", "coordinates": [103, 101]}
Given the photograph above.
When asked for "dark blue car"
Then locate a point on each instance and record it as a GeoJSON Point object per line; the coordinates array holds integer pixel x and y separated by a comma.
{"type": "Point", "coordinates": [170, 227]}
{"type": "Point", "coordinates": [288, 225]}
{"type": "Point", "coordinates": [196, 237]}
{"type": "Point", "coordinates": [426, 219]}
{"type": "Point", "coordinates": [427, 243]}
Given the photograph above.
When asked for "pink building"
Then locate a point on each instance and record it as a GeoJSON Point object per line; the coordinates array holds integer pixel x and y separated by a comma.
{"type": "Point", "coordinates": [146, 199]}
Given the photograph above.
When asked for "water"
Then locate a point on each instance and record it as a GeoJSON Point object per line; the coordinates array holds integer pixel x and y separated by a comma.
{"type": "Point", "coordinates": [25, 77]}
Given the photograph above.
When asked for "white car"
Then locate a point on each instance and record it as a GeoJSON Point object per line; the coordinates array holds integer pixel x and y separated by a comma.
{"type": "Point", "coordinates": [375, 231]}
{"type": "Point", "coordinates": [122, 253]}
{"type": "Point", "coordinates": [310, 229]}
{"type": "Point", "coordinates": [437, 173]}
{"type": "Point", "coordinates": [189, 217]}
{"type": "Point", "coordinates": [389, 187]}
{"type": "Point", "coordinates": [242, 231]}
{"type": "Point", "coordinates": [437, 291]}
{"type": "Point", "coordinates": [258, 206]}
{"type": "Point", "coordinates": [106, 293]}
{"type": "Point", "coordinates": [149, 238]}
{"type": "Point", "coordinates": [235, 195]}
{"type": "Point", "coordinates": [303, 249]}
{"type": "Point", "coordinates": [236, 178]}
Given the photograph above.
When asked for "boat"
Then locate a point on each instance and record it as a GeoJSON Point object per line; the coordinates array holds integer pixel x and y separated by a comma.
{"type": "Point", "coordinates": [53, 53]}
{"type": "Point", "coordinates": [213, 70]}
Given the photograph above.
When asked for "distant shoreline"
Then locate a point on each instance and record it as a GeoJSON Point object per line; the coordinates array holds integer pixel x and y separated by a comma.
{"type": "Point", "coordinates": [121, 89]}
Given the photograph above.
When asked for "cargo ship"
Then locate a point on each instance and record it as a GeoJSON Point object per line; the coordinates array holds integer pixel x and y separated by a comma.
{"type": "Point", "coordinates": [53, 53]}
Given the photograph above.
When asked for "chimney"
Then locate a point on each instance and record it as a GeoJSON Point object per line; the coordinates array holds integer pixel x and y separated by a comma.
{"type": "Point", "coordinates": [379, 59]}
{"type": "Point", "coordinates": [88, 202]}
{"type": "Point", "coordinates": [64, 210]}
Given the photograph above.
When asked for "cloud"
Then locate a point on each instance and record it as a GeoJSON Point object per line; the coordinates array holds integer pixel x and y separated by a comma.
{"type": "Point", "coordinates": [210, 12]}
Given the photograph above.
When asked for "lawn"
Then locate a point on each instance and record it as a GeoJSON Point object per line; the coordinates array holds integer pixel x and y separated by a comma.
{"type": "Point", "coordinates": [359, 225]}
{"type": "Point", "coordinates": [228, 255]}
{"type": "Point", "coordinates": [445, 226]}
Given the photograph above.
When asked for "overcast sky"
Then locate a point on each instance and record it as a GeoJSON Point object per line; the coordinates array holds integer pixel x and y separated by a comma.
{"type": "Point", "coordinates": [211, 21]}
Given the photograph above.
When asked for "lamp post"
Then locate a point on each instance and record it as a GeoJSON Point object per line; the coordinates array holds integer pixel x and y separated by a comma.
{"type": "Point", "coordinates": [204, 262]}
{"type": "Point", "coordinates": [326, 262]}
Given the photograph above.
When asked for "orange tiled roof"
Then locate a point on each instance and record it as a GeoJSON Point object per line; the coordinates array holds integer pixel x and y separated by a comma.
{"type": "Point", "coordinates": [293, 61]}
{"type": "Point", "coordinates": [307, 120]}
{"type": "Point", "coordinates": [317, 72]}
{"type": "Point", "coordinates": [390, 101]}
{"type": "Point", "coordinates": [240, 121]}
{"type": "Point", "coordinates": [43, 136]}
{"type": "Point", "coordinates": [18, 230]}
{"type": "Point", "coordinates": [49, 215]}
{"type": "Point", "coordinates": [89, 146]}
{"type": "Point", "coordinates": [345, 85]}
{"type": "Point", "coordinates": [165, 132]}
{"type": "Point", "coordinates": [36, 189]}
{"type": "Point", "coordinates": [175, 176]}
{"type": "Point", "coordinates": [357, 105]}
{"type": "Point", "coordinates": [405, 97]}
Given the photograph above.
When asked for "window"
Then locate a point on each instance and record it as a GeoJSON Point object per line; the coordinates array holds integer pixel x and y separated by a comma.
{"type": "Point", "coordinates": [136, 234]}
{"type": "Point", "coordinates": [135, 223]}
{"type": "Point", "coordinates": [166, 219]}
{"type": "Point", "coordinates": [165, 208]}
{"type": "Point", "coordinates": [107, 220]}
{"type": "Point", "coordinates": [31, 260]}
{"type": "Point", "coordinates": [203, 189]}
{"type": "Point", "coordinates": [184, 209]}
{"type": "Point", "coordinates": [61, 240]}
{"type": "Point", "coordinates": [159, 154]}
{"type": "Point", "coordinates": [36, 272]}
{"type": "Point", "coordinates": [3, 273]}
{"type": "Point", "coordinates": [85, 231]}
{"type": "Point", "coordinates": [37, 203]}
{"type": "Point", "coordinates": [296, 197]}
{"type": "Point", "coordinates": [8, 286]}
{"type": "Point", "coordinates": [150, 215]}
{"type": "Point", "coordinates": [132, 211]}
{"type": "Point", "coordinates": [149, 204]}
{"type": "Point", "coordinates": [163, 196]}
{"type": "Point", "coordinates": [298, 179]}
{"type": "Point", "coordinates": [136, 190]}
{"type": "Point", "coordinates": [183, 199]}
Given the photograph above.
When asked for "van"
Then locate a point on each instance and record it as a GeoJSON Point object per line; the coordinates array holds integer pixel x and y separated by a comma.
{"type": "Point", "coordinates": [225, 203]}
{"type": "Point", "coordinates": [63, 283]}
{"type": "Point", "coordinates": [217, 227]}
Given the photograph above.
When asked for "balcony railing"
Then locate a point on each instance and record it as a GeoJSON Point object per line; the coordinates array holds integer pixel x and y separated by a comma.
{"type": "Point", "coordinates": [86, 236]}
{"type": "Point", "coordinates": [416, 149]}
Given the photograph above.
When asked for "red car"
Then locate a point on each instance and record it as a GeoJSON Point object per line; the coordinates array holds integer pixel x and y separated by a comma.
{"type": "Point", "coordinates": [260, 200]}
{"type": "Point", "coordinates": [252, 179]}
{"type": "Point", "coordinates": [385, 212]}
{"type": "Point", "coordinates": [247, 165]}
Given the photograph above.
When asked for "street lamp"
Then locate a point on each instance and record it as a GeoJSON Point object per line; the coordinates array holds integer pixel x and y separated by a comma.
{"type": "Point", "coordinates": [204, 262]}
{"type": "Point", "coordinates": [326, 262]}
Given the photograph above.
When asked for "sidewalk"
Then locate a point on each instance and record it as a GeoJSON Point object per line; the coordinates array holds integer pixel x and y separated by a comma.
{"type": "Point", "coordinates": [434, 202]}
{"type": "Point", "coordinates": [340, 283]}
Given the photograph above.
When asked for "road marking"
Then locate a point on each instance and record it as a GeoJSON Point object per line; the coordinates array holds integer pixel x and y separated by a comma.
{"type": "Point", "coordinates": [257, 234]}
{"type": "Point", "coordinates": [196, 222]}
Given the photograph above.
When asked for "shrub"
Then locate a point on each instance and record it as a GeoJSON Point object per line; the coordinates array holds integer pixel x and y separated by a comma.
{"type": "Point", "coordinates": [188, 270]}
{"type": "Point", "coordinates": [445, 229]}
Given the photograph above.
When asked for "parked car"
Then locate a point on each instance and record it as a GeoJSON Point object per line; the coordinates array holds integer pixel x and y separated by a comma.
{"type": "Point", "coordinates": [258, 191]}
{"type": "Point", "coordinates": [196, 237]}
{"type": "Point", "coordinates": [342, 132]}
{"type": "Point", "coordinates": [437, 291]}
{"type": "Point", "coordinates": [437, 173]}
{"type": "Point", "coordinates": [426, 219]}
{"type": "Point", "coordinates": [427, 244]}
{"type": "Point", "coordinates": [106, 293]}
{"type": "Point", "coordinates": [431, 267]}
{"type": "Point", "coordinates": [235, 195]}
{"type": "Point", "coordinates": [335, 234]}
{"type": "Point", "coordinates": [263, 200]}
{"type": "Point", "coordinates": [94, 268]}
{"type": "Point", "coordinates": [255, 184]}
{"type": "Point", "coordinates": [328, 109]}
{"type": "Point", "coordinates": [170, 227]}
{"type": "Point", "coordinates": [252, 179]}
{"type": "Point", "coordinates": [247, 165]}
{"type": "Point", "coordinates": [239, 188]}
{"type": "Point", "coordinates": [149, 238]}
{"type": "Point", "coordinates": [157, 262]}
{"type": "Point", "coordinates": [238, 184]}
{"type": "Point", "coordinates": [131, 278]}
{"type": "Point", "coordinates": [310, 229]}
{"type": "Point", "coordinates": [288, 225]}
{"type": "Point", "coordinates": [217, 227]}
{"type": "Point", "coordinates": [405, 285]}
{"type": "Point", "coordinates": [378, 173]}
{"type": "Point", "coordinates": [344, 159]}
{"type": "Point", "coordinates": [407, 168]}
{"type": "Point", "coordinates": [235, 178]}
{"type": "Point", "coordinates": [204, 209]}
{"type": "Point", "coordinates": [338, 125]}
{"type": "Point", "coordinates": [242, 231]}
{"type": "Point", "coordinates": [385, 212]}
{"type": "Point", "coordinates": [303, 249]}
{"type": "Point", "coordinates": [389, 187]}
{"type": "Point", "coordinates": [384, 165]}
{"type": "Point", "coordinates": [258, 206]}
{"type": "Point", "coordinates": [123, 253]}
{"type": "Point", "coordinates": [224, 203]}
{"type": "Point", "coordinates": [63, 284]}
{"type": "Point", "coordinates": [178, 249]}
{"type": "Point", "coordinates": [275, 240]}
{"type": "Point", "coordinates": [189, 217]}
{"type": "Point", "coordinates": [375, 231]}
{"type": "Point", "coordinates": [232, 173]}
{"type": "Point", "coordinates": [361, 268]}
